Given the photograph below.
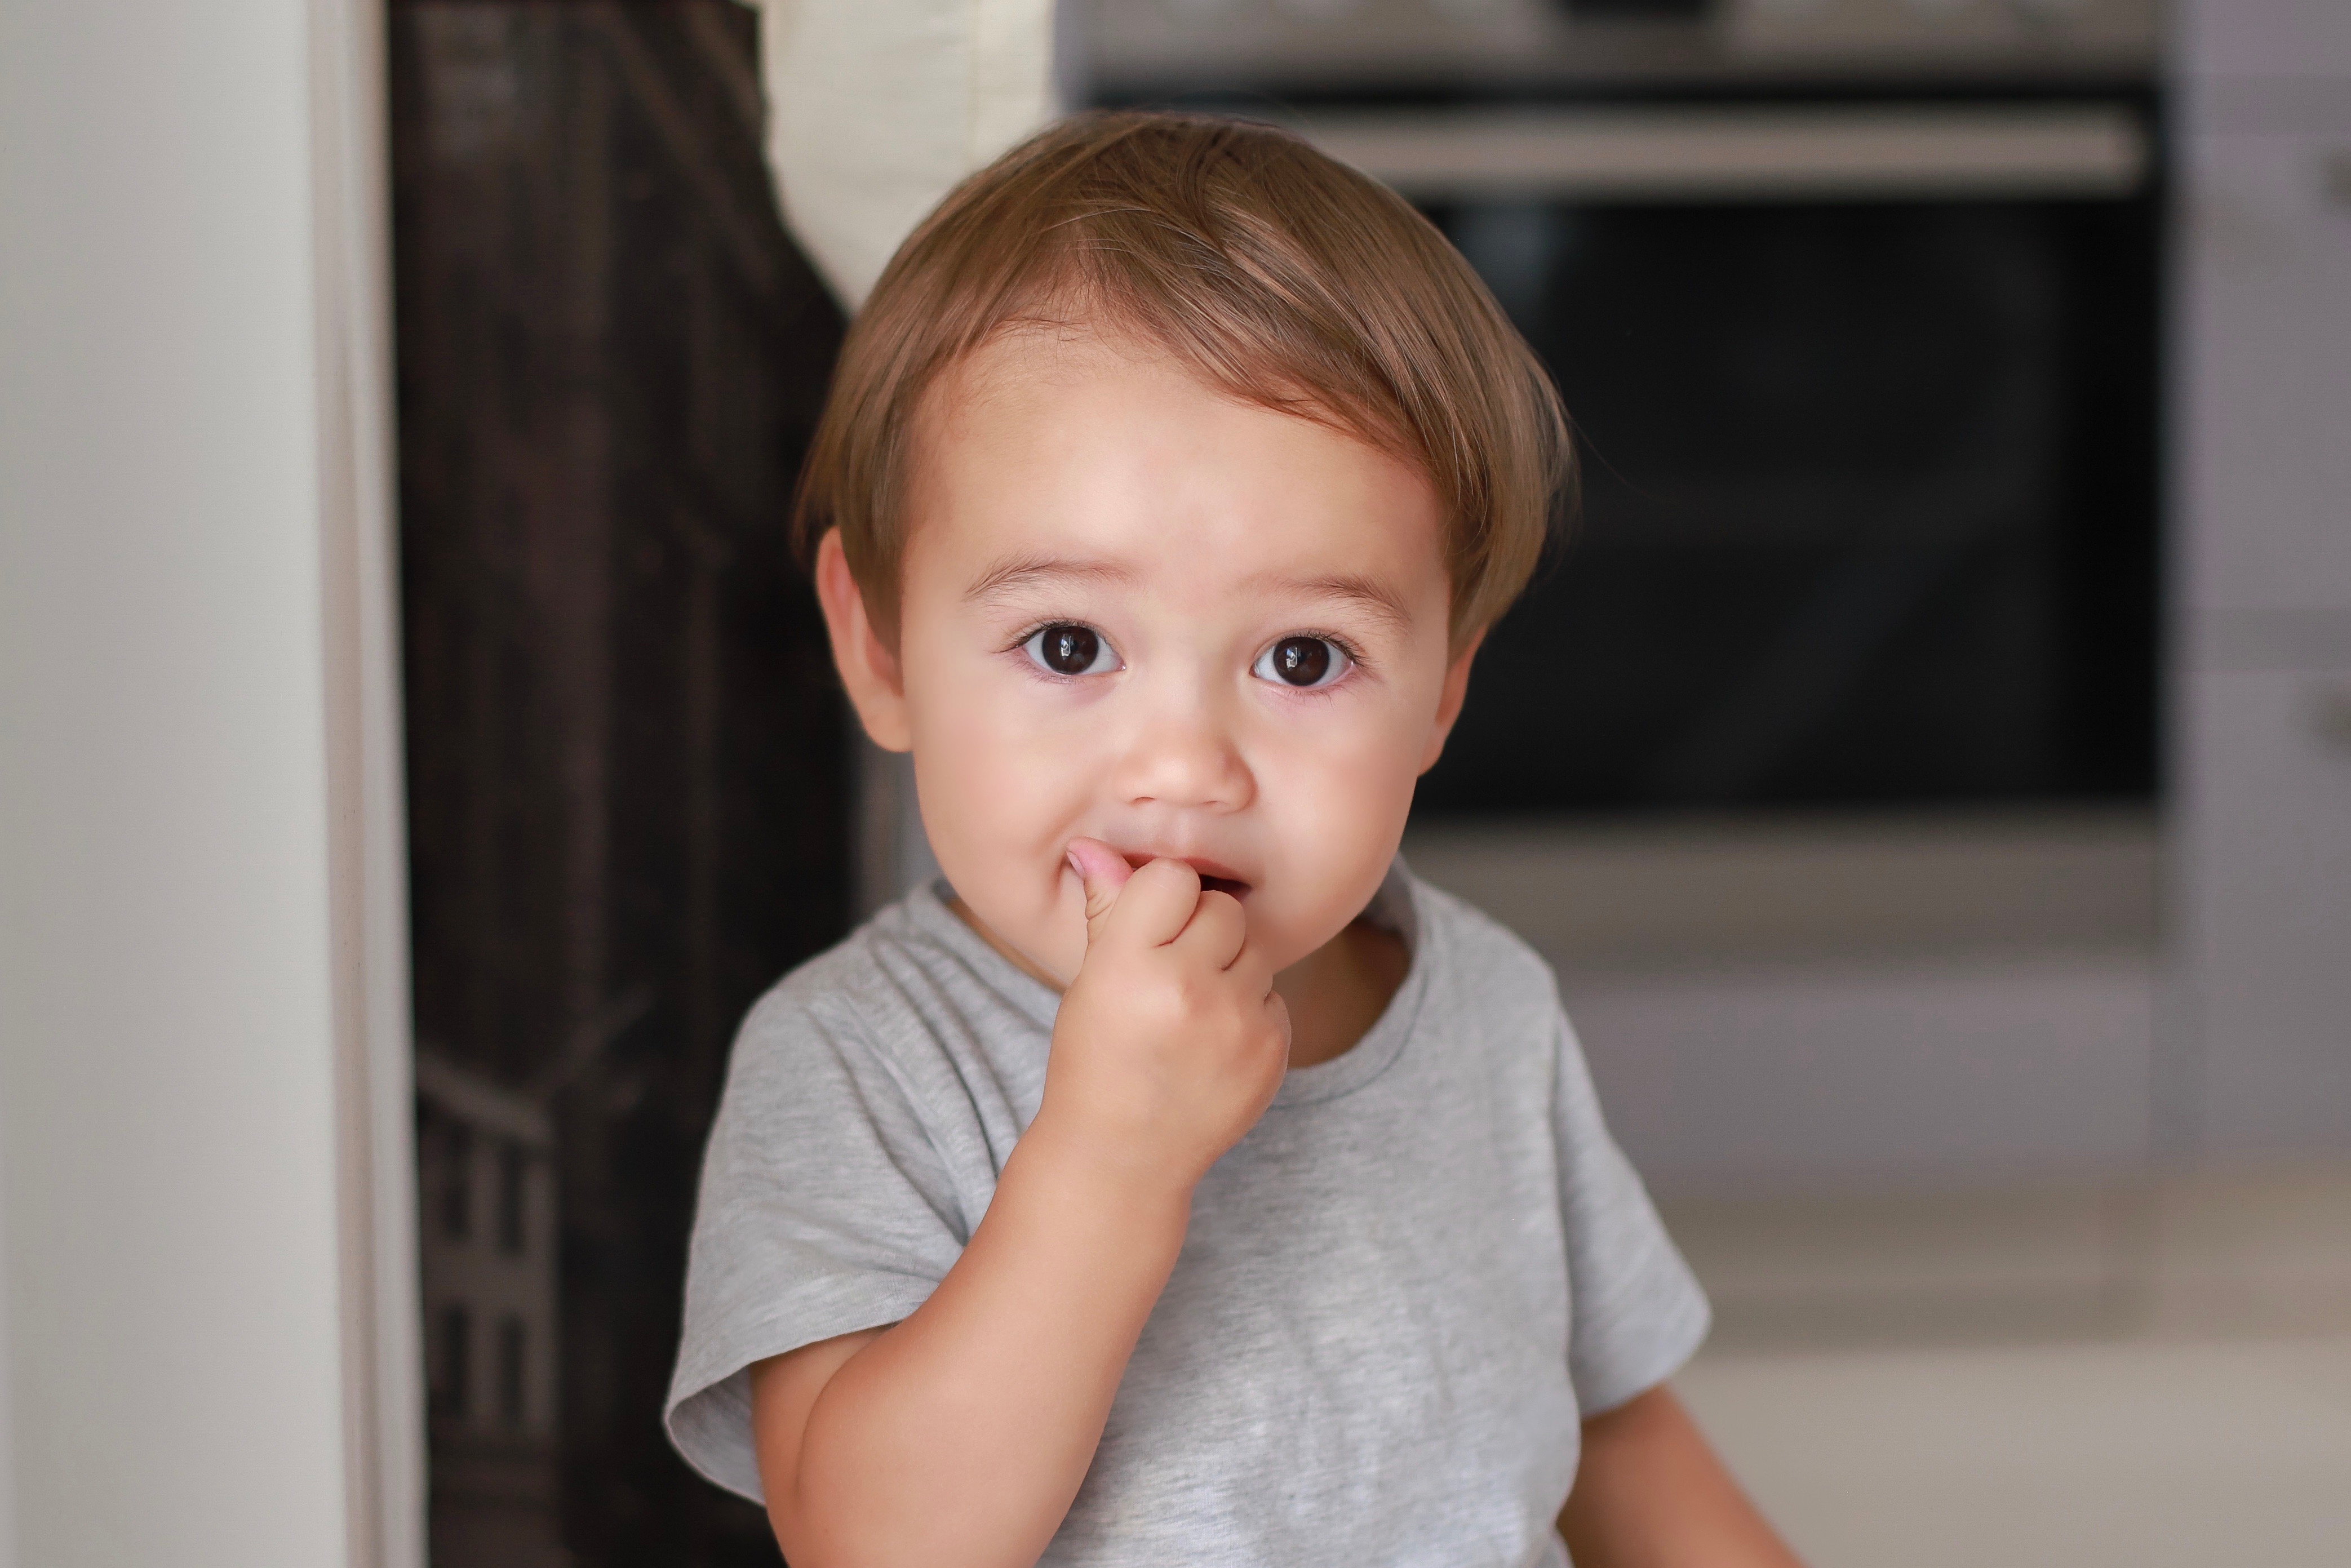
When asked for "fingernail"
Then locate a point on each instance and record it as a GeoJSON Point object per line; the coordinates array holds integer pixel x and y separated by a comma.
{"type": "Point", "coordinates": [1072, 856]}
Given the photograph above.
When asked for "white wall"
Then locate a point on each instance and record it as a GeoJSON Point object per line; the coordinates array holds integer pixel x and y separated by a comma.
{"type": "Point", "coordinates": [7, 1429]}
{"type": "Point", "coordinates": [168, 1006]}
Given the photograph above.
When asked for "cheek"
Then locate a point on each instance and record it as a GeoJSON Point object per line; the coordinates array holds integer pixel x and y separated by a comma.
{"type": "Point", "coordinates": [1336, 806]}
{"type": "Point", "coordinates": [1002, 788]}
{"type": "Point", "coordinates": [1341, 794]}
{"type": "Point", "coordinates": [996, 775]}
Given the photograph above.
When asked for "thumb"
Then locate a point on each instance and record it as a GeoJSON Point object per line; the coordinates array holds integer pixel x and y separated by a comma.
{"type": "Point", "coordinates": [1102, 870]}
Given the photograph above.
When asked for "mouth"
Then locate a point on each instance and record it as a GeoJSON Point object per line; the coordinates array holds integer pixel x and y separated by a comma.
{"type": "Point", "coordinates": [1215, 877]}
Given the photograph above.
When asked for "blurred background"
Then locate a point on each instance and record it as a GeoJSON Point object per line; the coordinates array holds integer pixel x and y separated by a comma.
{"type": "Point", "coordinates": [1927, 759]}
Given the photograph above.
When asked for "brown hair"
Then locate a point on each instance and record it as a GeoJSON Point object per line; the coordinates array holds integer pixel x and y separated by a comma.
{"type": "Point", "coordinates": [1278, 275]}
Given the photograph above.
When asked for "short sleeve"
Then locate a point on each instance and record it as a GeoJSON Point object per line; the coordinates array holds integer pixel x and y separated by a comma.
{"type": "Point", "coordinates": [1637, 1311]}
{"type": "Point", "coordinates": [824, 1209]}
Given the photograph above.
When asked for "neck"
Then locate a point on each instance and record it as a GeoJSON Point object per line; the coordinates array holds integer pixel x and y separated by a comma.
{"type": "Point", "coordinates": [1337, 992]}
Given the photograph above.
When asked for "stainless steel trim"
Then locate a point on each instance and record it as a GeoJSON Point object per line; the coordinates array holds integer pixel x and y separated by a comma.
{"type": "Point", "coordinates": [1837, 153]}
{"type": "Point", "coordinates": [1144, 49]}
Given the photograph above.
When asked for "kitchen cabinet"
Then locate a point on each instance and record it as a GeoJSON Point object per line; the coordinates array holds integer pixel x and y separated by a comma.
{"type": "Point", "coordinates": [2261, 513]}
{"type": "Point", "coordinates": [2267, 354]}
{"type": "Point", "coordinates": [1805, 1004]}
{"type": "Point", "coordinates": [2266, 851]}
{"type": "Point", "coordinates": [2264, 38]}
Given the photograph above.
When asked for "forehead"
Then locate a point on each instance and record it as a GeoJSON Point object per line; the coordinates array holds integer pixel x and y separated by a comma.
{"type": "Point", "coordinates": [1069, 440]}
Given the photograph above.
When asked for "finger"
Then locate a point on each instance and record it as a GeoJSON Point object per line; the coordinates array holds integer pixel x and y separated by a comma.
{"type": "Point", "coordinates": [1155, 904]}
{"type": "Point", "coordinates": [1101, 872]}
{"type": "Point", "coordinates": [1249, 970]}
{"type": "Point", "coordinates": [1216, 930]}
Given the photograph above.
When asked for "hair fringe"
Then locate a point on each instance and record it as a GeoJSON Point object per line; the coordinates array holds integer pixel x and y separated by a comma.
{"type": "Point", "coordinates": [1279, 276]}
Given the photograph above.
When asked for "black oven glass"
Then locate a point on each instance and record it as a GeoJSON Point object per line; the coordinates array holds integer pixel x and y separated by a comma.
{"type": "Point", "coordinates": [1869, 508]}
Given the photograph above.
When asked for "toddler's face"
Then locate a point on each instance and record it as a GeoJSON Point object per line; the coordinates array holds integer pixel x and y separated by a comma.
{"type": "Point", "coordinates": [1136, 610]}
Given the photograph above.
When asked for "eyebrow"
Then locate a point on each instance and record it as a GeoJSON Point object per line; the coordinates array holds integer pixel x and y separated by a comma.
{"type": "Point", "coordinates": [1027, 572]}
{"type": "Point", "coordinates": [1369, 593]}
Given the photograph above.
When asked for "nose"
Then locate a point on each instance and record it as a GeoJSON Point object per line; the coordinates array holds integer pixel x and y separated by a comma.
{"type": "Point", "coordinates": [1184, 755]}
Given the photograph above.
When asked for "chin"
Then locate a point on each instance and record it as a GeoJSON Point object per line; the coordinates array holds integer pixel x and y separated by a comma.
{"type": "Point", "coordinates": [1285, 942]}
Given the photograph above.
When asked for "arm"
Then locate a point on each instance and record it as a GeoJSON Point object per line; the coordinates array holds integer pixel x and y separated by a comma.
{"type": "Point", "coordinates": [961, 1435]}
{"type": "Point", "coordinates": [1651, 1493]}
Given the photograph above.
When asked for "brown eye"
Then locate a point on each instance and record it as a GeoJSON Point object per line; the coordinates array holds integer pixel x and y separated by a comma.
{"type": "Point", "coordinates": [1302, 661]}
{"type": "Point", "coordinates": [1066, 648]}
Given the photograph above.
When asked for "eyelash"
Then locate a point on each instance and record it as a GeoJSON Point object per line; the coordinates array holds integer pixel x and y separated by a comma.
{"type": "Point", "coordinates": [1018, 645]}
{"type": "Point", "coordinates": [1355, 661]}
{"type": "Point", "coordinates": [1018, 648]}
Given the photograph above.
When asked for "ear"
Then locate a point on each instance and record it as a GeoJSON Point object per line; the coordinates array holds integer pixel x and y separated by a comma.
{"type": "Point", "coordinates": [1449, 700]}
{"type": "Point", "coordinates": [868, 668]}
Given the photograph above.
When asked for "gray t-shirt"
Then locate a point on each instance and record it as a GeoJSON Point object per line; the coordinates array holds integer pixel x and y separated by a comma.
{"type": "Point", "coordinates": [1399, 1292]}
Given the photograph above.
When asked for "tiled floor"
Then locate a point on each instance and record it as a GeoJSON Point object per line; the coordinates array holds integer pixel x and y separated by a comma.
{"type": "Point", "coordinates": [2142, 1378]}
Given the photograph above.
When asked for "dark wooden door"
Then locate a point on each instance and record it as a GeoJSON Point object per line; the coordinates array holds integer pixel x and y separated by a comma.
{"type": "Point", "coordinates": [626, 761]}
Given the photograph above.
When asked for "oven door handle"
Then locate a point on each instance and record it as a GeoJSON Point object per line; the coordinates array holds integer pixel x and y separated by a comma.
{"type": "Point", "coordinates": [1860, 153]}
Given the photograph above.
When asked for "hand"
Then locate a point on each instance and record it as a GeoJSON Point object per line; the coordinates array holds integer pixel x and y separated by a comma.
{"type": "Point", "coordinates": [1171, 1041]}
{"type": "Point", "coordinates": [960, 1434]}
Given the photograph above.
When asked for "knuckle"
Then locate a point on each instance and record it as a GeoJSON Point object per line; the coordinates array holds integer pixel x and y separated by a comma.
{"type": "Point", "coordinates": [1161, 1004]}
{"type": "Point", "coordinates": [1198, 997]}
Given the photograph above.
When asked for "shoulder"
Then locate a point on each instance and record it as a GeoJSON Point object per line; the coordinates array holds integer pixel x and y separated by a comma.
{"type": "Point", "coordinates": [837, 1058]}
{"type": "Point", "coordinates": [1470, 950]}
{"type": "Point", "coordinates": [831, 997]}
{"type": "Point", "coordinates": [861, 1002]}
{"type": "Point", "coordinates": [911, 997]}
{"type": "Point", "coordinates": [1491, 995]}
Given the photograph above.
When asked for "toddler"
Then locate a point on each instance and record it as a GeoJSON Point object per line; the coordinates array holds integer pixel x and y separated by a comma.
{"type": "Point", "coordinates": [1179, 1183]}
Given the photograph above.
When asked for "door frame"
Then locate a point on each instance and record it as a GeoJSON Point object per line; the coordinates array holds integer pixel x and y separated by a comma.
{"type": "Point", "coordinates": [381, 1326]}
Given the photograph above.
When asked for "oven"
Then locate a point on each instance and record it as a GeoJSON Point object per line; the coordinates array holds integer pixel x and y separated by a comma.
{"type": "Point", "coordinates": [1855, 305]}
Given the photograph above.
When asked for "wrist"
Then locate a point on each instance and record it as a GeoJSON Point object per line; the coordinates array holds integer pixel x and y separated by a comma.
{"type": "Point", "coordinates": [1085, 1170]}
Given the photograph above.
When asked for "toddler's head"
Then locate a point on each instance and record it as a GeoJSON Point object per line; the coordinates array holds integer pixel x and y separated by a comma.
{"type": "Point", "coordinates": [1168, 480]}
